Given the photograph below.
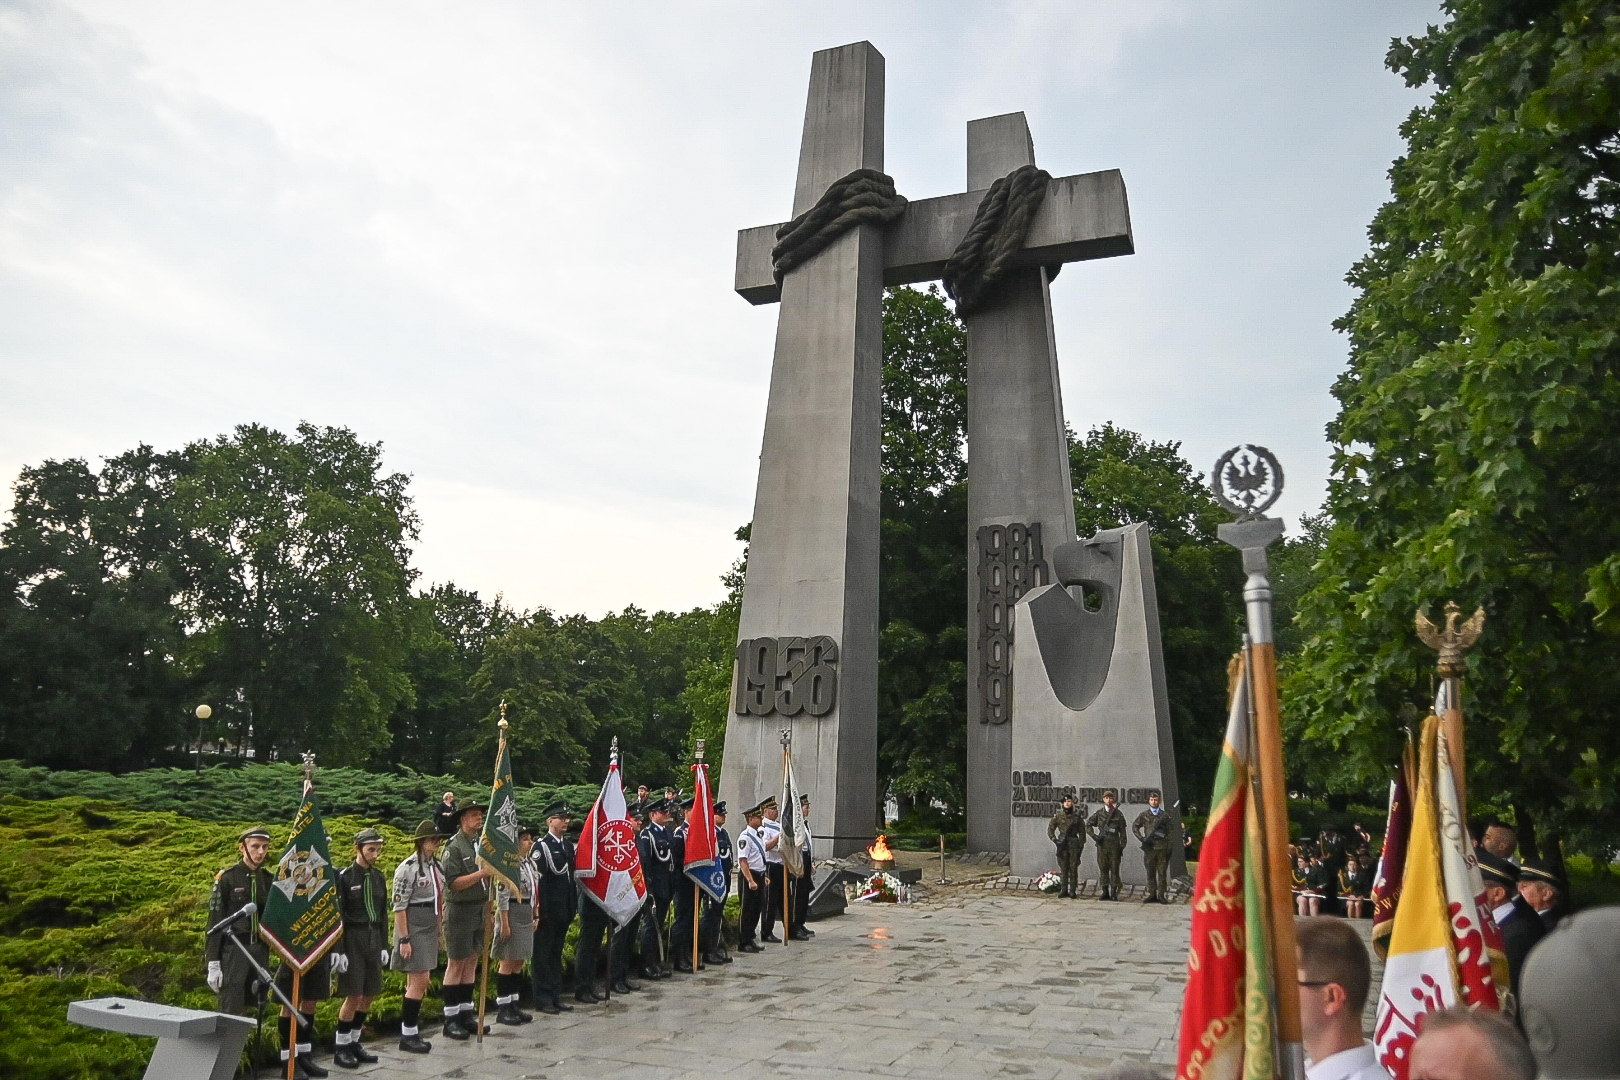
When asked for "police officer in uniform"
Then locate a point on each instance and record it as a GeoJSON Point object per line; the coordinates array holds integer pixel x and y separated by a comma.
{"type": "Point", "coordinates": [1108, 829]}
{"type": "Point", "coordinates": [1153, 828]}
{"type": "Point", "coordinates": [244, 882]}
{"type": "Point", "coordinates": [752, 882]}
{"type": "Point", "coordinates": [593, 925]}
{"type": "Point", "coordinates": [467, 898]}
{"type": "Point", "coordinates": [658, 868]}
{"type": "Point", "coordinates": [363, 899]}
{"type": "Point", "coordinates": [770, 830]}
{"type": "Point", "coordinates": [554, 859]}
{"type": "Point", "coordinates": [680, 932]}
{"type": "Point", "coordinates": [1067, 830]}
{"type": "Point", "coordinates": [714, 951]}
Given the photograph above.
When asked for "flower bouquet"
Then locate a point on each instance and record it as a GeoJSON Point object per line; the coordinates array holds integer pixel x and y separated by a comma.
{"type": "Point", "coordinates": [880, 888]}
{"type": "Point", "coordinates": [1048, 883]}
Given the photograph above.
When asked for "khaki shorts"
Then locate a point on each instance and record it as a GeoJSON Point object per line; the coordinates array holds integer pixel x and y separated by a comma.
{"type": "Point", "coordinates": [464, 930]}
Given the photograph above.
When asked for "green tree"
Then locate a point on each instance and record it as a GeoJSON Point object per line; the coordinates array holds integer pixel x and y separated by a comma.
{"type": "Point", "coordinates": [1477, 445]}
{"type": "Point", "coordinates": [88, 626]}
{"type": "Point", "coordinates": [295, 578]}
{"type": "Point", "coordinates": [1120, 478]}
{"type": "Point", "coordinates": [448, 629]}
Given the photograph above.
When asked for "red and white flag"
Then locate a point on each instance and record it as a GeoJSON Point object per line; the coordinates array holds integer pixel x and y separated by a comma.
{"type": "Point", "coordinates": [607, 863]}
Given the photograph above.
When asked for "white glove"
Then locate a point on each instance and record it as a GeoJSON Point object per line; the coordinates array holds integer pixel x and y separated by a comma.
{"type": "Point", "coordinates": [216, 976]}
{"type": "Point", "coordinates": [340, 962]}
{"type": "Point", "coordinates": [386, 956]}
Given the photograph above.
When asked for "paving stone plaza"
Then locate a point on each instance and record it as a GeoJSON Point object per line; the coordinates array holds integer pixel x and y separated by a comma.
{"type": "Point", "coordinates": [963, 983]}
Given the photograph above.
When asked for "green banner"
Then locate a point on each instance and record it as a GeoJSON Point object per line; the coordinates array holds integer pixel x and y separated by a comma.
{"type": "Point", "coordinates": [301, 919]}
{"type": "Point", "coordinates": [498, 844]}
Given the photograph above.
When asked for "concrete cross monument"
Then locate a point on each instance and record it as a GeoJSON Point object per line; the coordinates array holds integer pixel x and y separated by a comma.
{"type": "Point", "coordinates": [807, 649]}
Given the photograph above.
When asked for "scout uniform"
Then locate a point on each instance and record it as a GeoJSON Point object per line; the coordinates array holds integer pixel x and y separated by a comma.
{"type": "Point", "coordinates": [518, 909]}
{"type": "Point", "coordinates": [1067, 830]}
{"type": "Point", "coordinates": [553, 860]}
{"type": "Point", "coordinates": [1108, 829]}
{"type": "Point", "coordinates": [464, 908]}
{"type": "Point", "coordinates": [235, 887]}
{"type": "Point", "coordinates": [1152, 828]}
{"type": "Point", "coordinates": [419, 893]}
{"type": "Point", "coordinates": [364, 902]}
{"type": "Point", "coordinates": [714, 910]}
{"type": "Point", "coordinates": [658, 869]}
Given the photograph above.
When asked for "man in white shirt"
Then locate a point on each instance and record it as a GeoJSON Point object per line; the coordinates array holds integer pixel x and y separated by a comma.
{"type": "Point", "coordinates": [751, 880]}
{"type": "Point", "coordinates": [776, 874]}
{"type": "Point", "coordinates": [1335, 974]}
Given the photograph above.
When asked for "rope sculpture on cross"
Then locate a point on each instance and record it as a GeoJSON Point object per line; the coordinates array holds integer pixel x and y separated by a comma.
{"type": "Point", "coordinates": [997, 233]}
{"type": "Point", "coordinates": [863, 197]}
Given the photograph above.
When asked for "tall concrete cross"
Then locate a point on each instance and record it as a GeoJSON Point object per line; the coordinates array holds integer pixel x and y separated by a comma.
{"type": "Point", "coordinates": [816, 556]}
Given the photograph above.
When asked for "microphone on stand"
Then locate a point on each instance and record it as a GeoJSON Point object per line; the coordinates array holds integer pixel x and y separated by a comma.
{"type": "Point", "coordinates": [247, 909]}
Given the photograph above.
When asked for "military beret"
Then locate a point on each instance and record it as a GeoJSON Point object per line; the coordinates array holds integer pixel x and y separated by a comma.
{"type": "Point", "coordinates": [559, 808]}
{"type": "Point", "coordinates": [258, 830]}
{"type": "Point", "coordinates": [720, 808]}
{"type": "Point", "coordinates": [1538, 870]}
{"type": "Point", "coordinates": [367, 836]}
{"type": "Point", "coordinates": [1497, 870]}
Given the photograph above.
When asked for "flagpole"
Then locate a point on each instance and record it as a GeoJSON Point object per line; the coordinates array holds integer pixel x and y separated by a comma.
{"type": "Point", "coordinates": [489, 913]}
{"type": "Point", "coordinates": [1247, 480]}
{"type": "Point", "coordinates": [292, 1026]}
{"type": "Point", "coordinates": [787, 876]}
{"type": "Point", "coordinates": [697, 897]}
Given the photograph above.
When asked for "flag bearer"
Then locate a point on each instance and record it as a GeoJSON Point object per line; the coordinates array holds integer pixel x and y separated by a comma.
{"type": "Point", "coordinates": [805, 883]}
{"type": "Point", "coordinates": [593, 924]}
{"type": "Point", "coordinates": [1153, 828]}
{"type": "Point", "coordinates": [466, 899]}
{"type": "Point", "coordinates": [514, 937]}
{"type": "Point", "coordinates": [363, 897]}
{"type": "Point", "coordinates": [1108, 829]}
{"type": "Point", "coordinates": [770, 831]}
{"type": "Point", "coordinates": [753, 883]}
{"type": "Point", "coordinates": [680, 932]}
{"type": "Point", "coordinates": [659, 870]}
{"type": "Point", "coordinates": [244, 882]}
{"type": "Point", "coordinates": [553, 860]}
{"type": "Point", "coordinates": [714, 911]}
{"type": "Point", "coordinates": [418, 906]}
{"type": "Point", "coordinates": [314, 987]}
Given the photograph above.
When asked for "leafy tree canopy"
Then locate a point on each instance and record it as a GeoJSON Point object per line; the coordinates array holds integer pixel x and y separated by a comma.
{"type": "Point", "coordinates": [1477, 441]}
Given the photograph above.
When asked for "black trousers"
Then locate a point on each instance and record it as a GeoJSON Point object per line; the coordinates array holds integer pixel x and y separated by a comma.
{"type": "Point", "coordinates": [593, 925]}
{"type": "Point", "coordinates": [550, 931]}
{"type": "Point", "coordinates": [802, 887]}
{"type": "Point", "coordinates": [680, 933]}
{"type": "Point", "coordinates": [653, 952]}
{"type": "Point", "coordinates": [714, 914]}
{"type": "Point", "coordinates": [753, 907]}
{"type": "Point", "coordinates": [777, 873]}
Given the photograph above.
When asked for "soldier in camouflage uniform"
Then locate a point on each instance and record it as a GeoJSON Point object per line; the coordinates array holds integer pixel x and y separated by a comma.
{"type": "Point", "coordinates": [1108, 829]}
{"type": "Point", "coordinates": [1154, 829]}
{"type": "Point", "coordinates": [1067, 830]}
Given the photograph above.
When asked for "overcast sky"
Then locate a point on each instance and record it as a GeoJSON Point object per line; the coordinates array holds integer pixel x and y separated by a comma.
{"type": "Point", "coordinates": [499, 238]}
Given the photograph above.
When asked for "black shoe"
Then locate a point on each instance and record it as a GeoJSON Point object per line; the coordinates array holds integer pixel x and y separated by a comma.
{"type": "Point", "coordinates": [361, 1054]}
{"type": "Point", "coordinates": [454, 1030]}
{"type": "Point", "coordinates": [527, 1018]}
{"type": "Point", "coordinates": [807, 930]}
{"type": "Point", "coordinates": [307, 1066]}
{"type": "Point", "coordinates": [557, 1002]}
{"type": "Point", "coordinates": [772, 938]}
{"type": "Point", "coordinates": [716, 958]}
{"type": "Point", "coordinates": [508, 1016]}
{"type": "Point", "coordinates": [344, 1058]}
{"type": "Point", "coordinates": [625, 986]}
{"type": "Point", "coordinates": [684, 966]}
{"type": "Point", "coordinates": [586, 995]}
{"type": "Point", "coordinates": [799, 935]}
{"type": "Point", "coordinates": [652, 973]}
{"type": "Point", "coordinates": [749, 946]}
{"type": "Point", "coordinates": [413, 1044]}
{"type": "Point", "coordinates": [548, 1008]}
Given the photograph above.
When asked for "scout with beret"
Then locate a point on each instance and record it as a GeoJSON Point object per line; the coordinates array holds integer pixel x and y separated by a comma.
{"type": "Point", "coordinates": [364, 902]}
{"type": "Point", "coordinates": [245, 881]}
{"type": "Point", "coordinates": [514, 939]}
{"type": "Point", "coordinates": [465, 901]}
{"type": "Point", "coordinates": [553, 860]}
{"type": "Point", "coordinates": [418, 907]}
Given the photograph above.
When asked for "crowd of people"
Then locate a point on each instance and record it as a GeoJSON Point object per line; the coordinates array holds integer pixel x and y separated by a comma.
{"type": "Point", "coordinates": [438, 905]}
{"type": "Point", "coordinates": [1333, 874]}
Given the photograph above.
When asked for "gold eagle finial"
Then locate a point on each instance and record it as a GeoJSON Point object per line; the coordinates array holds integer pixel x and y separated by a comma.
{"type": "Point", "coordinates": [1452, 641]}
